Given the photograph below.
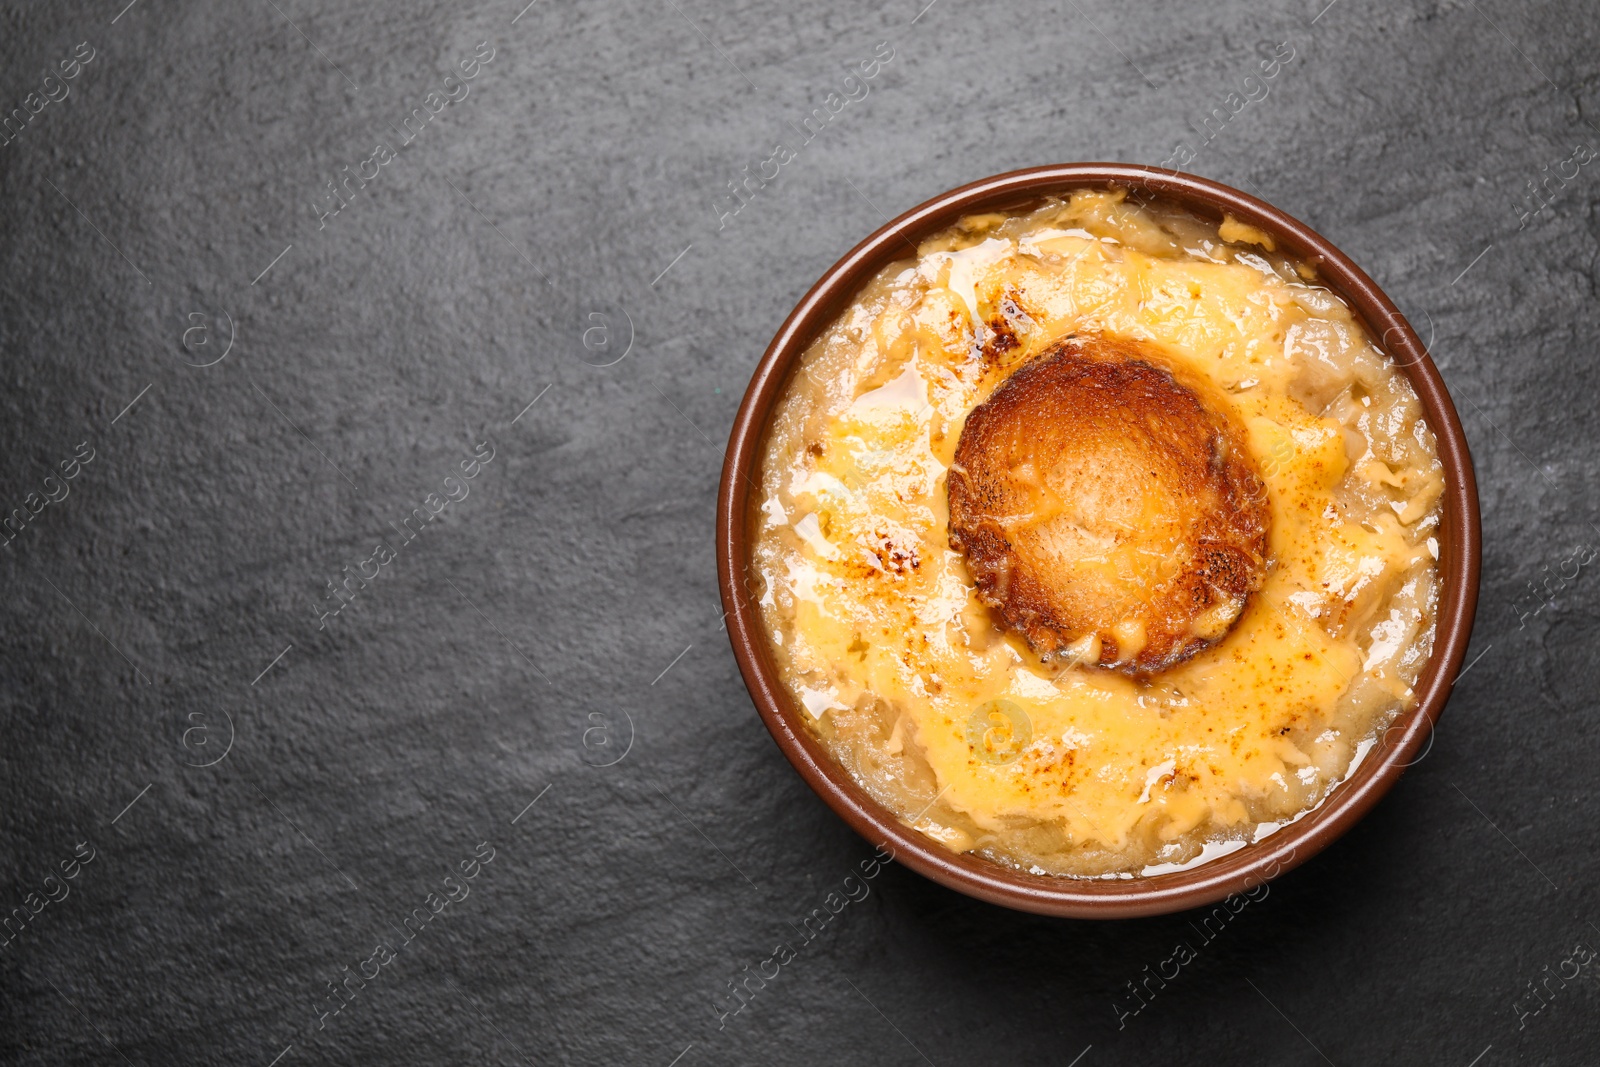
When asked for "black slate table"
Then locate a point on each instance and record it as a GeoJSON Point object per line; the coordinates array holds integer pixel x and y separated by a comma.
{"type": "Point", "coordinates": [367, 371]}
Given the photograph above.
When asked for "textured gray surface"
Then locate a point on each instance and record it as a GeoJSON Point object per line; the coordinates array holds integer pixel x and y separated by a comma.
{"type": "Point", "coordinates": [502, 656]}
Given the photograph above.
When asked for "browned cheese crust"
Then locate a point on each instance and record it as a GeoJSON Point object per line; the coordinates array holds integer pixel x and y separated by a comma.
{"type": "Point", "coordinates": [1107, 512]}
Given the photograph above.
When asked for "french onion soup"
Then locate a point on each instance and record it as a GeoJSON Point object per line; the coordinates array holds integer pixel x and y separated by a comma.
{"type": "Point", "coordinates": [1098, 538]}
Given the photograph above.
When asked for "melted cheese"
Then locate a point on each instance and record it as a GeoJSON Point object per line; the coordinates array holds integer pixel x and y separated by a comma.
{"type": "Point", "coordinates": [881, 633]}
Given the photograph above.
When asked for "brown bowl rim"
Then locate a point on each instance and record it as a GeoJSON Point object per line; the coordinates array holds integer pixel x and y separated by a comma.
{"type": "Point", "coordinates": [1459, 558]}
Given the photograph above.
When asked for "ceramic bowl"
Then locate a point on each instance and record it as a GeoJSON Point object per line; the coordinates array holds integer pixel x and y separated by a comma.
{"type": "Point", "coordinates": [974, 875]}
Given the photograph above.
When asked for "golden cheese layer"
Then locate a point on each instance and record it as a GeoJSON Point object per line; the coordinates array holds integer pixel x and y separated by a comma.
{"type": "Point", "coordinates": [1063, 767]}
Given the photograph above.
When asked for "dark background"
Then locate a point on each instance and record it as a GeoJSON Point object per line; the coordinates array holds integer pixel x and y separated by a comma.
{"type": "Point", "coordinates": [164, 615]}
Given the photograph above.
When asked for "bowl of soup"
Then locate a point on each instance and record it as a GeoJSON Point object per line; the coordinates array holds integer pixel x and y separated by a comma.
{"type": "Point", "coordinates": [1099, 540]}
